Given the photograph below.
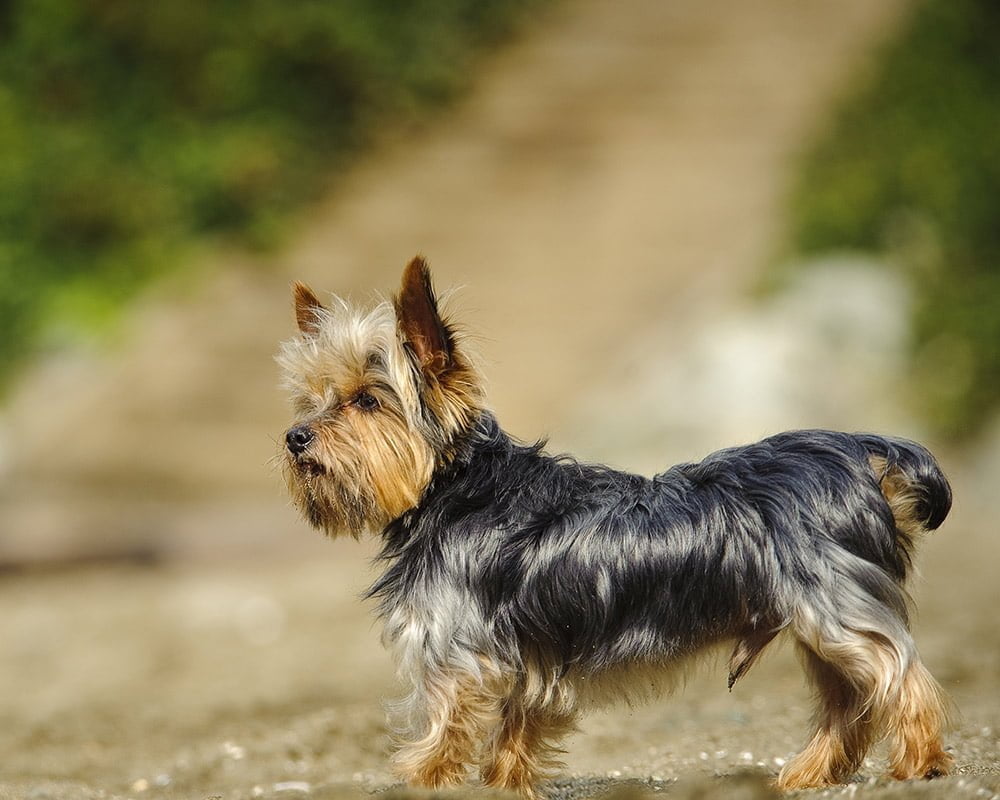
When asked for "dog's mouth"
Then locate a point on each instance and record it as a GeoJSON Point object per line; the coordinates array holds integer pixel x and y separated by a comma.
{"type": "Point", "coordinates": [310, 467]}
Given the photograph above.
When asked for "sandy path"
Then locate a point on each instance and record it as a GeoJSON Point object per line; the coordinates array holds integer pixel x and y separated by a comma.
{"type": "Point", "coordinates": [623, 163]}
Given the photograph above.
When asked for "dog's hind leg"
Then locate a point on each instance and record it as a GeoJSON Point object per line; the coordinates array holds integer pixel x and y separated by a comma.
{"type": "Point", "coordinates": [915, 724]}
{"type": "Point", "coordinates": [869, 682]}
{"type": "Point", "coordinates": [843, 728]}
{"type": "Point", "coordinates": [856, 649]}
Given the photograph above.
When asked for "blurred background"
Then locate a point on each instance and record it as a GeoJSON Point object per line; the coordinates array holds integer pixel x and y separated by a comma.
{"type": "Point", "coordinates": [669, 226]}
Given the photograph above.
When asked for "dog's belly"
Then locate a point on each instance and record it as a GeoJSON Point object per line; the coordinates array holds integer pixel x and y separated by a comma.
{"type": "Point", "coordinates": [638, 682]}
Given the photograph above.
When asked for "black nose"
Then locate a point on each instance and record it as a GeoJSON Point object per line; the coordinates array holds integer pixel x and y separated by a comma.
{"type": "Point", "coordinates": [298, 439]}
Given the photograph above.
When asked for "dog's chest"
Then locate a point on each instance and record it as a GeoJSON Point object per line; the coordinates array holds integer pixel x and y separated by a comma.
{"type": "Point", "coordinates": [432, 624]}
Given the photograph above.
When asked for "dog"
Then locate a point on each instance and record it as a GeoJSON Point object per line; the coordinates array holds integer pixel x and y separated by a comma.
{"type": "Point", "coordinates": [520, 588]}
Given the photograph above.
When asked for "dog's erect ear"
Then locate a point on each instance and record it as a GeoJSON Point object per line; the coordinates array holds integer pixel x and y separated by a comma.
{"type": "Point", "coordinates": [308, 309]}
{"type": "Point", "coordinates": [419, 321]}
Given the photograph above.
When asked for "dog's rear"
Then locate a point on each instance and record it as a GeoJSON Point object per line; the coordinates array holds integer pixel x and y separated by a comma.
{"type": "Point", "coordinates": [917, 491]}
{"type": "Point", "coordinates": [868, 677]}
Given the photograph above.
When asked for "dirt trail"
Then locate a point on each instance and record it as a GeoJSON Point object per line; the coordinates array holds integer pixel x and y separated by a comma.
{"type": "Point", "coordinates": [622, 164]}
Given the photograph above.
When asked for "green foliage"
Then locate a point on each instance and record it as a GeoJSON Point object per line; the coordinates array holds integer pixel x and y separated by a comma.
{"type": "Point", "coordinates": [911, 167]}
{"type": "Point", "coordinates": [129, 130]}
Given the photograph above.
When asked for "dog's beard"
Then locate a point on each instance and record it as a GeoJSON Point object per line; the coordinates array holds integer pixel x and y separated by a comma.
{"type": "Point", "coordinates": [330, 504]}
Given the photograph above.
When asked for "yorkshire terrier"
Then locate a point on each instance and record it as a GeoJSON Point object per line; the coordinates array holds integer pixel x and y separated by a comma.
{"type": "Point", "coordinates": [521, 588]}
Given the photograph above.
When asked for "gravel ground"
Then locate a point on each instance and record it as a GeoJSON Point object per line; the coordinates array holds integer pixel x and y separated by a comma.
{"type": "Point", "coordinates": [239, 679]}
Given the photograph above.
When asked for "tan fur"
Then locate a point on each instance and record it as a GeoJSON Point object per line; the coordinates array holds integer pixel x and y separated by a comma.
{"type": "Point", "coordinates": [520, 720]}
{"type": "Point", "coordinates": [524, 749]}
{"type": "Point", "coordinates": [843, 730]}
{"type": "Point", "coordinates": [901, 495]}
{"type": "Point", "coordinates": [460, 710]}
{"type": "Point", "coordinates": [867, 688]}
{"type": "Point", "coordinates": [871, 663]}
{"type": "Point", "coordinates": [364, 469]}
{"type": "Point", "coordinates": [915, 725]}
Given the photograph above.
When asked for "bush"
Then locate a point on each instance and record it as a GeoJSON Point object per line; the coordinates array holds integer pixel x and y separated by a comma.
{"type": "Point", "coordinates": [911, 168]}
{"type": "Point", "coordinates": [129, 130]}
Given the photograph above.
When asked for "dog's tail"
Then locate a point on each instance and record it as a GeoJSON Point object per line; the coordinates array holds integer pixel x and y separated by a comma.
{"type": "Point", "coordinates": [917, 491]}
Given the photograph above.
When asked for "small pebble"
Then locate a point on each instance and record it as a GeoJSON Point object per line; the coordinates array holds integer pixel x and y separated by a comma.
{"type": "Point", "coordinates": [234, 751]}
{"type": "Point", "coordinates": [292, 786]}
{"type": "Point", "coordinates": [140, 785]}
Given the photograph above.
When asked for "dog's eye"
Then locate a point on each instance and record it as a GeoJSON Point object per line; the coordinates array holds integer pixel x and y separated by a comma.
{"type": "Point", "coordinates": [366, 401]}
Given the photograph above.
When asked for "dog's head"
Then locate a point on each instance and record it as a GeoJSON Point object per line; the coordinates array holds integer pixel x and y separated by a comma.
{"type": "Point", "coordinates": [381, 396]}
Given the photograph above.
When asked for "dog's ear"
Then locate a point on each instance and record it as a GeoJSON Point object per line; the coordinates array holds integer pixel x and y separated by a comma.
{"type": "Point", "coordinates": [420, 323]}
{"type": "Point", "coordinates": [309, 310]}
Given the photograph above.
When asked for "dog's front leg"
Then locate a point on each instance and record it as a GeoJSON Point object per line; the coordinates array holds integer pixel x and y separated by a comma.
{"type": "Point", "coordinates": [524, 747]}
{"type": "Point", "coordinates": [450, 710]}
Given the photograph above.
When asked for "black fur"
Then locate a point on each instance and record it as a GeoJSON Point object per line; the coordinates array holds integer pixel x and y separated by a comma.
{"type": "Point", "coordinates": [582, 566]}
